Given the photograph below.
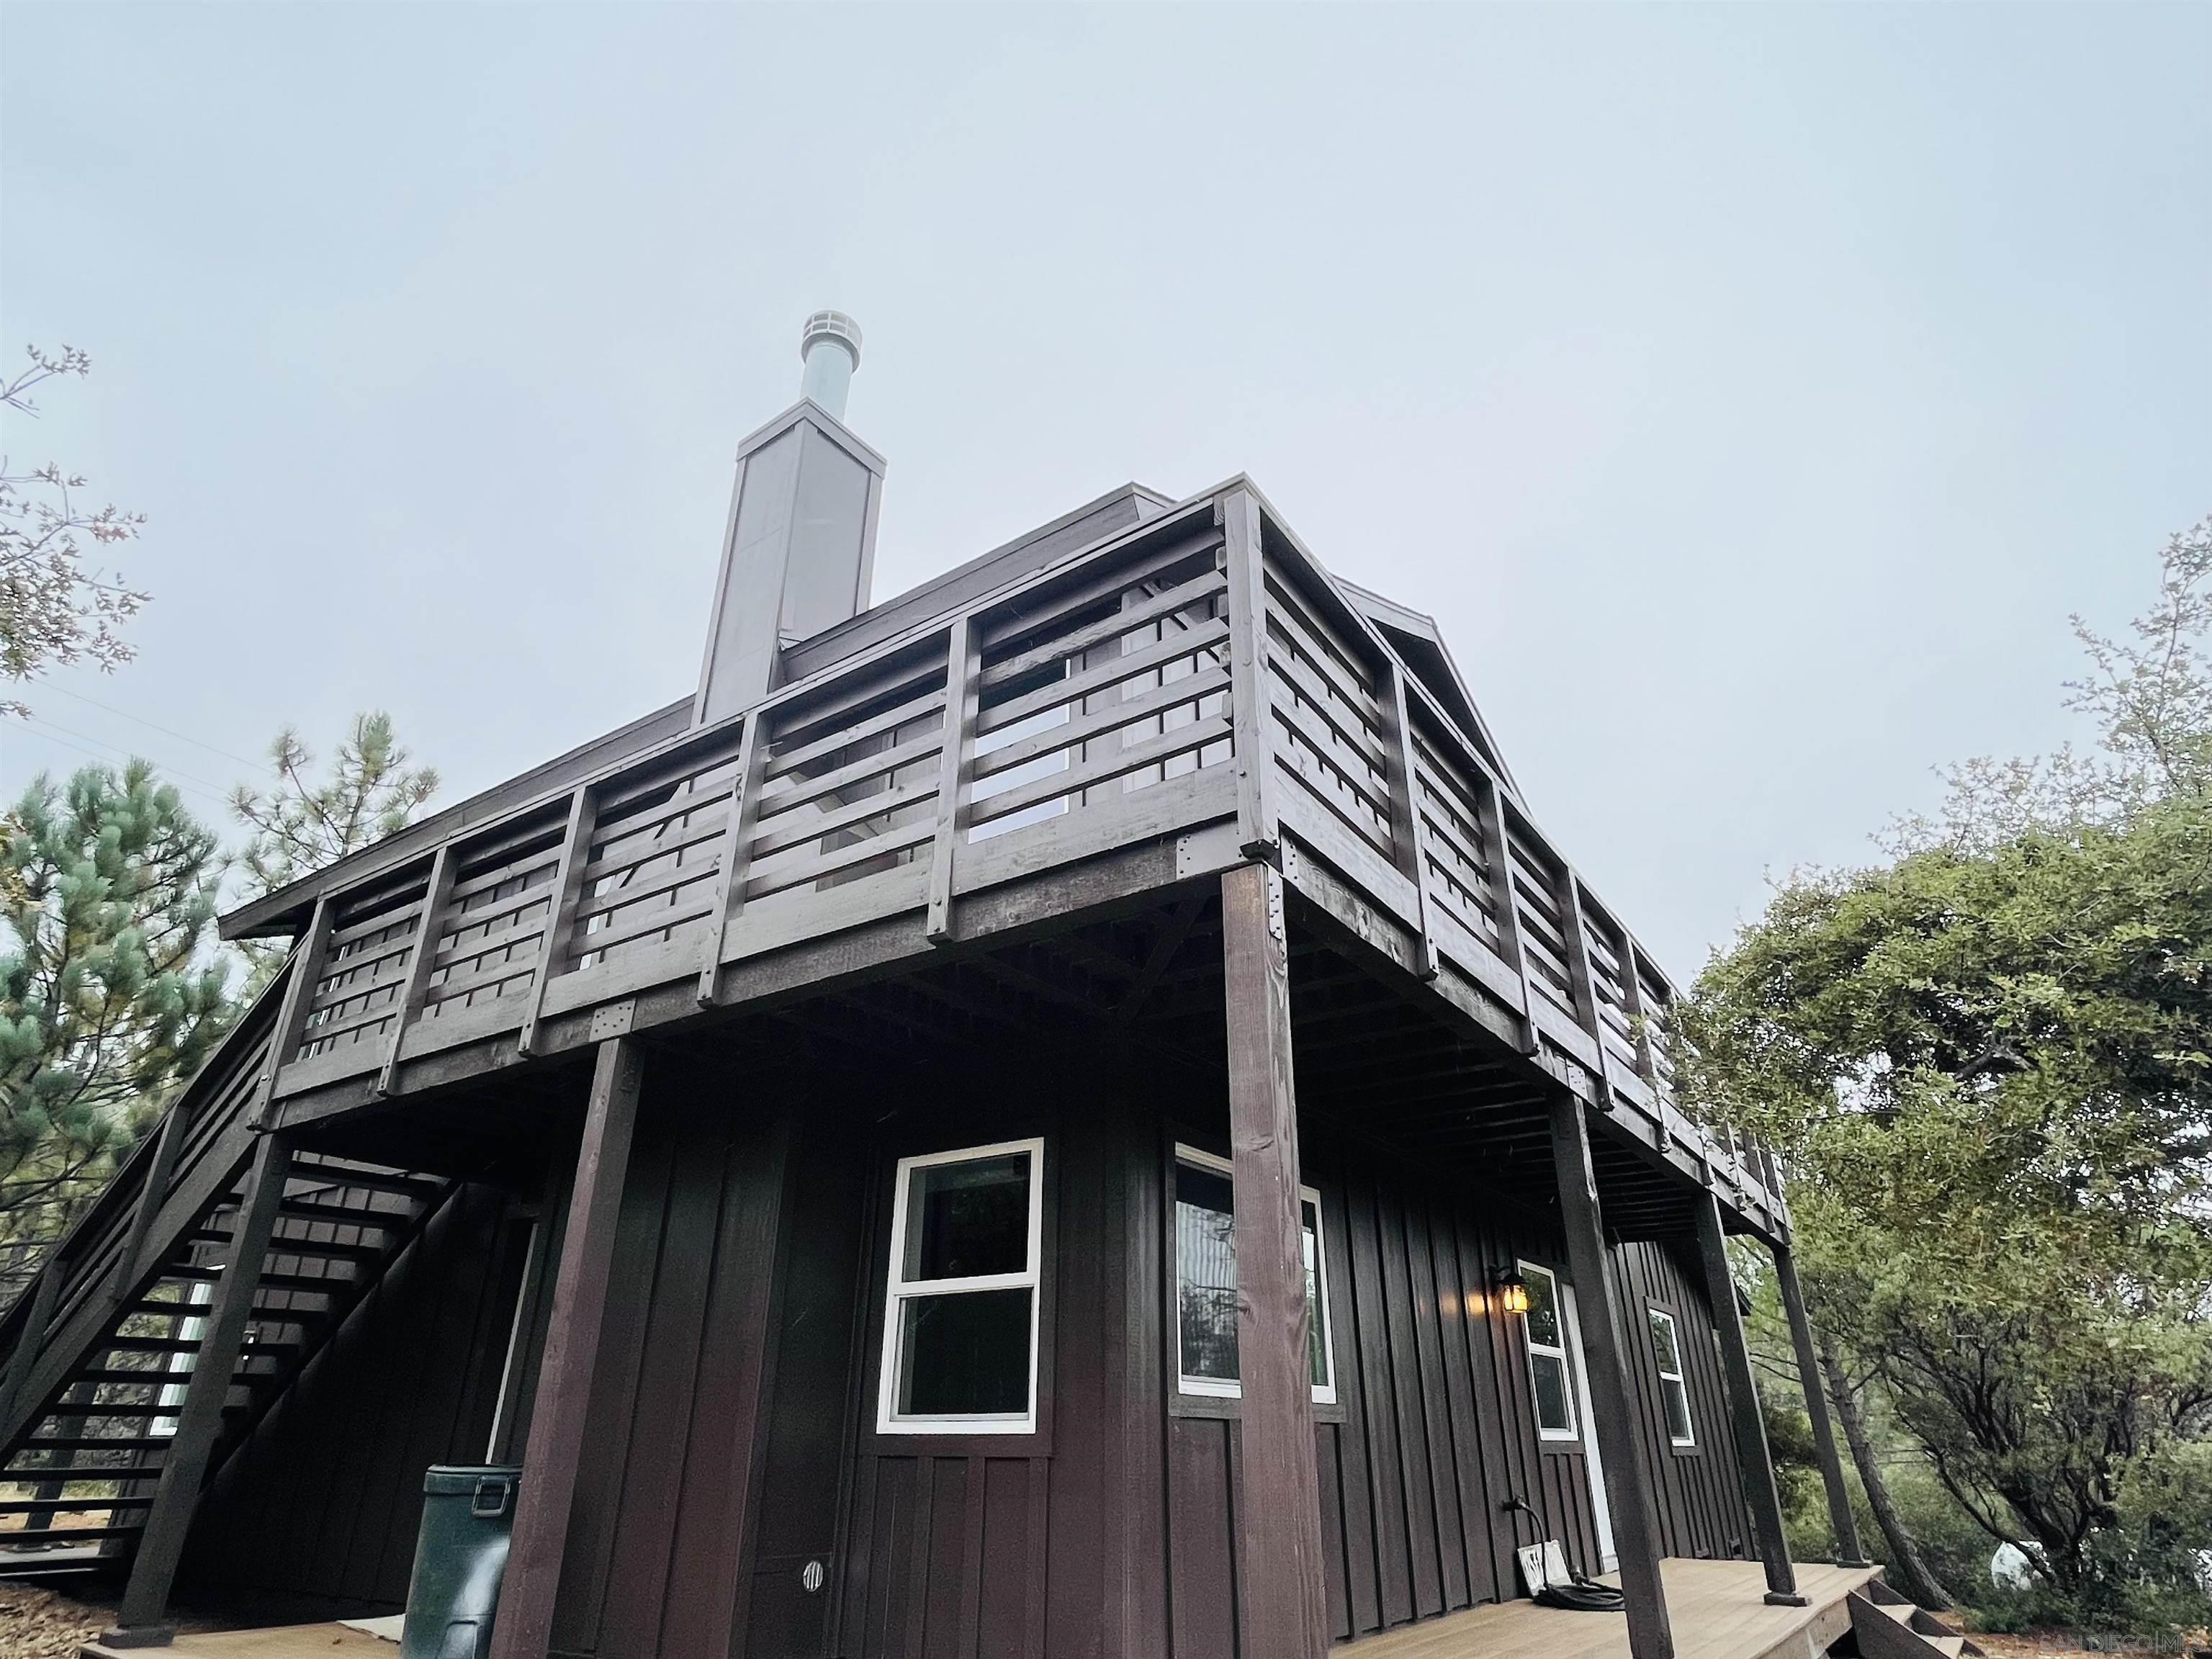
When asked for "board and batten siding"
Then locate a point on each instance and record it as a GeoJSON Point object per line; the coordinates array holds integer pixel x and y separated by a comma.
{"type": "Point", "coordinates": [1698, 1492]}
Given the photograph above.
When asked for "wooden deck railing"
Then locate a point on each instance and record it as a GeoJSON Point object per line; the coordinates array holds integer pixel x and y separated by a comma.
{"type": "Point", "coordinates": [1198, 668]}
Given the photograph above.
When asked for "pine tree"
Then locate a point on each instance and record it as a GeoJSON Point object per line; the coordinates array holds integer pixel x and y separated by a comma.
{"type": "Point", "coordinates": [111, 995]}
{"type": "Point", "coordinates": [298, 826]}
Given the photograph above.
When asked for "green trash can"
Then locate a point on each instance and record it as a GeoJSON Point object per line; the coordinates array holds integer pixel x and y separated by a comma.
{"type": "Point", "coordinates": [460, 1556]}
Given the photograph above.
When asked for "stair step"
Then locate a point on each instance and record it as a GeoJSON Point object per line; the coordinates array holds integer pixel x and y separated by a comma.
{"type": "Point", "coordinates": [129, 1378]}
{"type": "Point", "coordinates": [1881, 1594]}
{"type": "Point", "coordinates": [72, 1443]}
{"type": "Point", "coordinates": [1951, 1647]}
{"type": "Point", "coordinates": [69, 1505]}
{"type": "Point", "coordinates": [150, 1409]}
{"type": "Point", "coordinates": [343, 1215]}
{"type": "Point", "coordinates": [71, 1477]}
{"type": "Point", "coordinates": [62, 1538]}
{"type": "Point", "coordinates": [418, 1188]}
{"type": "Point", "coordinates": [1928, 1624]}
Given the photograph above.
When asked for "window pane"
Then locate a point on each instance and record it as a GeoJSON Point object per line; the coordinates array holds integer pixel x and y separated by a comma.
{"type": "Point", "coordinates": [1551, 1409]}
{"type": "Point", "coordinates": [1543, 1313]}
{"type": "Point", "coordinates": [1662, 1344]}
{"type": "Point", "coordinates": [960, 1355]}
{"type": "Point", "coordinates": [964, 1220]}
{"type": "Point", "coordinates": [1205, 1278]}
{"type": "Point", "coordinates": [1206, 1273]}
{"type": "Point", "coordinates": [1677, 1412]}
{"type": "Point", "coordinates": [1316, 1333]}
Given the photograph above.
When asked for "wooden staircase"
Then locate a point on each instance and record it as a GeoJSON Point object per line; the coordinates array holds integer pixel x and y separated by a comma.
{"type": "Point", "coordinates": [95, 1354]}
{"type": "Point", "coordinates": [1888, 1626]}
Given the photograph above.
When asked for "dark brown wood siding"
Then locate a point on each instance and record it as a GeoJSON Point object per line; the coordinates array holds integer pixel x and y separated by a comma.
{"type": "Point", "coordinates": [654, 1557]}
{"type": "Point", "coordinates": [1698, 1491]}
{"type": "Point", "coordinates": [320, 1509]}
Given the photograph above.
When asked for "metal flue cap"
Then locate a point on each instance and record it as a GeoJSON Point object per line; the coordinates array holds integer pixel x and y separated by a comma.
{"type": "Point", "coordinates": [829, 349]}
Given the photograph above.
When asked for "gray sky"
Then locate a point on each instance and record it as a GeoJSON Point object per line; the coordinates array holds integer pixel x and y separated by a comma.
{"type": "Point", "coordinates": [1751, 392]}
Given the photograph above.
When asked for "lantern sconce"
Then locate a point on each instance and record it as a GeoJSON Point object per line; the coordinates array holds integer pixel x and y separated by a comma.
{"type": "Point", "coordinates": [1513, 1291]}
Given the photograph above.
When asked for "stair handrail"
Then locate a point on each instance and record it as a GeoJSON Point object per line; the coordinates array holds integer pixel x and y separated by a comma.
{"type": "Point", "coordinates": [112, 1206]}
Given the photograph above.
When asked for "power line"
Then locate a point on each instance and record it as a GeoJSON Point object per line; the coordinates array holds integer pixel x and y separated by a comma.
{"type": "Point", "coordinates": [190, 789]}
{"type": "Point", "coordinates": [175, 771]}
{"type": "Point", "coordinates": [258, 765]}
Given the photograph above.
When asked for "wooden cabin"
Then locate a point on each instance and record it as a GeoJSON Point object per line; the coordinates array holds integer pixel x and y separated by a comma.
{"type": "Point", "coordinates": [1073, 1111]}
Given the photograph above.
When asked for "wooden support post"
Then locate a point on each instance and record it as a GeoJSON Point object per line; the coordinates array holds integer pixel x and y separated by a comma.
{"type": "Point", "coordinates": [142, 1622]}
{"type": "Point", "coordinates": [1627, 1484]}
{"type": "Point", "coordinates": [962, 706]}
{"type": "Point", "coordinates": [25, 1360]}
{"type": "Point", "coordinates": [1849, 1551]}
{"type": "Point", "coordinates": [1409, 833]}
{"type": "Point", "coordinates": [1639, 1012]}
{"type": "Point", "coordinates": [1280, 1601]}
{"type": "Point", "coordinates": [1574, 933]}
{"type": "Point", "coordinates": [1497, 847]}
{"type": "Point", "coordinates": [1756, 1462]}
{"type": "Point", "coordinates": [1249, 722]}
{"type": "Point", "coordinates": [560, 911]}
{"type": "Point", "coordinates": [421, 957]}
{"type": "Point", "coordinates": [305, 966]}
{"type": "Point", "coordinates": [555, 1447]}
{"type": "Point", "coordinates": [737, 835]}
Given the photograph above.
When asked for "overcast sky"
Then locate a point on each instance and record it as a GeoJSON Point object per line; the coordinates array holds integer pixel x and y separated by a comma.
{"type": "Point", "coordinates": [1753, 392]}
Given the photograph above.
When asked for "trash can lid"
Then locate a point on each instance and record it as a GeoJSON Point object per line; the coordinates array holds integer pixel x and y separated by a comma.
{"type": "Point", "coordinates": [460, 1480]}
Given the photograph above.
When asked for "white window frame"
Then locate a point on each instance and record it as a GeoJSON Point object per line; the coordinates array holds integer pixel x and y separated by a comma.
{"type": "Point", "coordinates": [1324, 1392]}
{"type": "Point", "coordinates": [1675, 1379]}
{"type": "Point", "coordinates": [899, 1290]}
{"type": "Point", "coordinates": [1557, 1351]}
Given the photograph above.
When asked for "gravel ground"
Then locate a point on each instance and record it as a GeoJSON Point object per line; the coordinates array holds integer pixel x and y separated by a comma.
{"type": "Point", "coordinates": [37, 1623]}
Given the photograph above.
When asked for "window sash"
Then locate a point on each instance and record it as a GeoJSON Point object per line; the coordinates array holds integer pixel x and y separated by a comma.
{"type": "Point", "coordinates": [899, 1291]}
{"type": "Point", "coordinates": [1224, 1388]}
{"type": "Point", "coordinates": [1554, 1350]}
{"type": "Point", "coordinates": [1673, 1382]}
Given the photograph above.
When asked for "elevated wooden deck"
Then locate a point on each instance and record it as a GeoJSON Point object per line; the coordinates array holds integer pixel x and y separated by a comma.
{"type": "Point", "coordinates": [1718, 1609]}
{"type": "Point", "coordinates": [1143, 711]}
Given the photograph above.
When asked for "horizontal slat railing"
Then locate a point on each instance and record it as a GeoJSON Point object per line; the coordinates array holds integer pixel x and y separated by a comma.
{"type": "Point", "coordinates": [1092, 706]}
{"type": "Point", "coordinates": [1374, 797]}
{"type": "Point", "coordinates": [1086, 708]}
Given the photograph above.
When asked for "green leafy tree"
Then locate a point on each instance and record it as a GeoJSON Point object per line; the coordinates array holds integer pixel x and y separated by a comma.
{"type": "Point", "coordinates": [54, 607]}
{"type": "Point", "coordinates": [1991, 1061]}
{"type": "Point", "coordinates": [110, 996]}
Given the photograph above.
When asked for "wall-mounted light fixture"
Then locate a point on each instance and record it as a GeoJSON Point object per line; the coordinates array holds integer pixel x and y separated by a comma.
{"type": "Point", "coordinates": [1513, 1291]}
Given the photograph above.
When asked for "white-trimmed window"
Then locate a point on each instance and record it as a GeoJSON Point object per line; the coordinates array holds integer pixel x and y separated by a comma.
{"type": "Point", "coordinates": [1551, 1382]}
{"type": "Point", "coordinates": [1206, 1281]}
{"type": "Point", "coordinates": [960, 1319]}
{"type": "Point", "coordinates": [1672, 1388]}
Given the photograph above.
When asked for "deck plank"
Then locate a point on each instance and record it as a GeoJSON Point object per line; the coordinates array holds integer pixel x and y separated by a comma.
{"type": "Point", "coordinates": [1718, 1609]}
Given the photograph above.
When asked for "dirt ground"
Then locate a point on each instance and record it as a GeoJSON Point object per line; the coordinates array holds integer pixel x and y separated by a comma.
{"type": "Point", "coordinates": [2066, 1645]}
{"type": "Point", "coordinates": [37, 1623]}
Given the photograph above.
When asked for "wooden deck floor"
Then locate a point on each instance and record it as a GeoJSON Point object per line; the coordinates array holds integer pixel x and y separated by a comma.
{"type": "Point", "coordinates": [1718, 1610]}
